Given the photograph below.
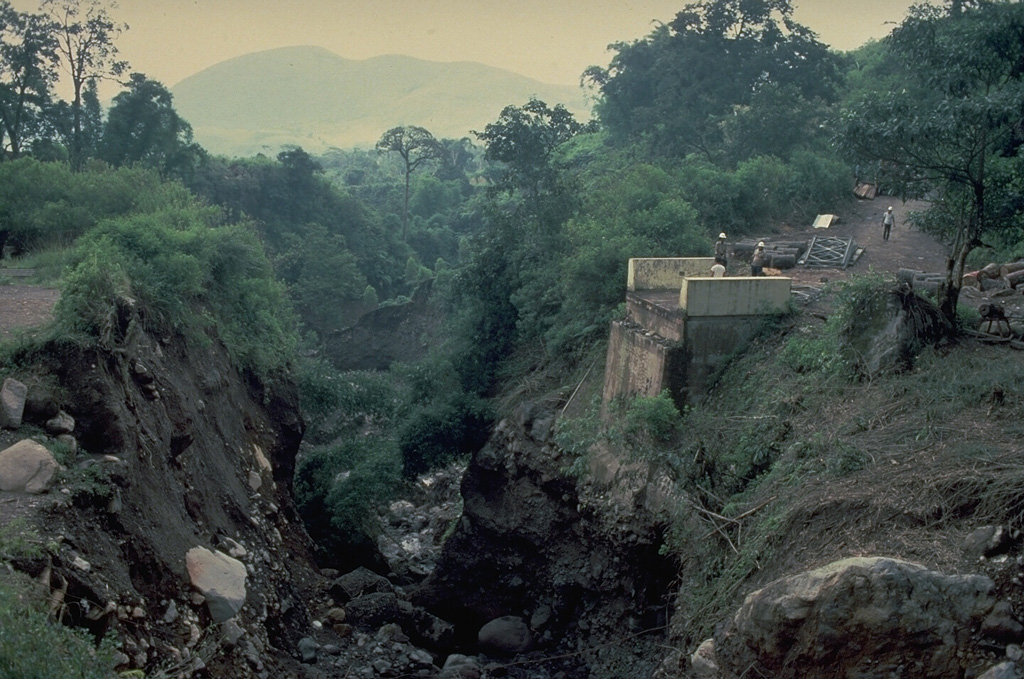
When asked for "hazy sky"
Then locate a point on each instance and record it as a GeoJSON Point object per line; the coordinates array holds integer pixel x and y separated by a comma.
{"type": "Point", "coordinates": [549, 40]}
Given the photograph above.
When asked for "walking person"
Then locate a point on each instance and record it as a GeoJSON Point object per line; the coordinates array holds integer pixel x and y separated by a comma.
{"type": "Point", "coordinates": [887, 222]}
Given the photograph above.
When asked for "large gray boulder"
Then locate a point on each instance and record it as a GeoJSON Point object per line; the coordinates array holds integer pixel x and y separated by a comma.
{"type": "Point", "coordinates": [27, 467]}
{"type": "Point", "coordinates": [864, 617]}
{"type": "Point", "coordinates": [220, 579]}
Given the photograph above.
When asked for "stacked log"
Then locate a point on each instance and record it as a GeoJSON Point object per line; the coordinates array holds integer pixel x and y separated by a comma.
{"type": "Point", "coordinates": [995, 276]}
{"type": "Point", "coordinates": [779, 254]}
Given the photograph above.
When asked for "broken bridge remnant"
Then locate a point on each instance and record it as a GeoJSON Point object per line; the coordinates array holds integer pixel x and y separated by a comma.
{"type": "Point", "coordinates": [682, 325]}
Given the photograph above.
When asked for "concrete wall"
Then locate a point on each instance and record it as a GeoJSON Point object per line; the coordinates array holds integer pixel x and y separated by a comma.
{"type": "Point", "coordinates": [640, 364]}
{"type": "Point", "coordinates": [737, 296]}
{"type": "Point", "coordinates": [665, 273]}
{"type": "Point", "coordinates": [709, 343]}
{"type": "Point", "coordinates": [654, 317]}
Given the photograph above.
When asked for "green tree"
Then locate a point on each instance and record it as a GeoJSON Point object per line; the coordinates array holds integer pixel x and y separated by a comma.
{"type": "Point", "coordinates": [85, 35]}
{"type": "Point", "coordinates": [415, 146]}
{"type": "Point", "coordinates": [143, 127]}
{"type": "Point", "coordinates": [524, 138]}
{"type": "Point", "coordinates": [953, 132]}
{"type": "Point", "coordinates": [27, 74]}
{"type": "Point", "coordinates": [674, 87]}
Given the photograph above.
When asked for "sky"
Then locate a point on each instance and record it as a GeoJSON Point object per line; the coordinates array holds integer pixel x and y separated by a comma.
{"type": "Point", "coordinates": [549, 40]}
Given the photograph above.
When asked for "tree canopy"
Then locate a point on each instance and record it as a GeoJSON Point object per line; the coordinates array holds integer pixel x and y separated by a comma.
{"type": "Point", "coordinates": [953, 132]}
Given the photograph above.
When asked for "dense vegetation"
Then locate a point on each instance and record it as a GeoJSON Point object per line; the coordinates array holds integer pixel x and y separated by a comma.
{"type": "Point", "coordinates": [732, 117]}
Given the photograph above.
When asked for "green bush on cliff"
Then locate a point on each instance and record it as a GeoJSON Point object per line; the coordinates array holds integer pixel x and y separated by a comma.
{"type": "Point", "coordinates": [182, 272]}
{"type": "Point", "coordinates": [34, 647]}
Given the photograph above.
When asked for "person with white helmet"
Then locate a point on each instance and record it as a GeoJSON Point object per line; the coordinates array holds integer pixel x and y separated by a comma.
{"type": "Point", "coordinates": [757, 261]}
{"type": "Point", "coordinates": [887, 221]}
{"type": "Point", "coordinates": [721, 248]}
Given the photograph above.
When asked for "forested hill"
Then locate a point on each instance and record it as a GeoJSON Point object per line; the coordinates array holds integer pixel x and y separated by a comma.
{"type": "Point", "coordinates": [311, 97]}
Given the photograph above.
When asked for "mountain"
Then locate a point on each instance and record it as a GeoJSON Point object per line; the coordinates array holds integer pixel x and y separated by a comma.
{"type": "Point", "coordinates": [316, 99]}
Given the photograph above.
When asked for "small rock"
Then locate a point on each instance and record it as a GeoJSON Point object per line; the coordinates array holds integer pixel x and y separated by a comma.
{"type": "Point", "coordinates": [231, 633]}
{"type": "Point", "coordinates": [61, 424]}
{"type": "Point", "coordinates": [81, 564]}
{"type": "Point", "coordinates": [336, 615]}
{"type": "Point", "coordinates": [1005, 670]}
{"type": "Point", "coordinates": [1001, 625]}
{"type": "Point", "coordinates": [255, 481]}
{"type": "Point", "coordinates": [988, 541]}
{"type": "Point", "coordinates": [12, 403]}
{"type": "Point", "coordinates": [703, 660]}
{"type": "Point", "coordinates": [218, 577]}
{"type": "Point", "coordinates": [506, 635]}
{"type": "Point", "coordinates": [460, 667]}
{"type": "Point", "coordinates": [307, 650]}
{"type": "Point", "coordinates": [171, 615]}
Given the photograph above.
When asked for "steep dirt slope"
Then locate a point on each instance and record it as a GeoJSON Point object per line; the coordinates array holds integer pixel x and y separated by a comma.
{"type": "Point", "coordinates": [182, 452]}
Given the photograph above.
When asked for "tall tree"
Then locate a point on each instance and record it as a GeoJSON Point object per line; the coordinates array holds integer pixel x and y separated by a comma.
{"type": "Point", "coordinates": [415, 146]}
{"type": "Point", "coordinates": [524, 138]}
{"type": "Point", "coordinates": [674, 87]}
{"type": "Point", "coordinates": [85, 36]}
{"type": "Point", "coordinates": [27, 73]}
{"type": "Point", "coordinates": [954, 132]}
{"type": "Point", "coordinates": [143, 128]}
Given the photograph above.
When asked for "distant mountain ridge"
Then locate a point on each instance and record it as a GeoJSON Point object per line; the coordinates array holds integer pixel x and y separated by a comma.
{"type": "Point", "coordinates": [314, 98]}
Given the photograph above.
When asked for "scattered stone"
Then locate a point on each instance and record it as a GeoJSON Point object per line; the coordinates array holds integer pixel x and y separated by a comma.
{"type": "Point", "coordinates": [219, 578]}
{"type": "Point", "coordinates": [1015, 653]}
{"type": "Point", "coordinates": [357, 583]}
{"type": "Point", "coordinates": [703, 660]}
{"type": "Point", "coordinates": [460, 667]}
{"type": "Point", "coordinates": [1005, 670]}
{"type": "Point", "coordinates": [12, 403]}
{"type": "Point", "coordinates": [255, 480]}
{"type": "Point", "coordinates": [373, 610]}
{"type": "Point", "coordinates": [989, 541]}
{"type": "Point", "coordinates": [62, 423]}
{"type": "Point", "coordinates": [307, 650]}
{"type": "Point", "coordinates": [506, 635]}
{"type": "Point", "coordinates": [1001, 625]}
{"type": "Point", "coordinates": [171, 615]}
{"type": "Point", "coordinates": [235, 549]}
{"type": "Point", "coordinates": [69, 442]}
{"type": "Point", "coordinates": [336, 615]}
{"type": "Point", "coordinates": [81, 564]}
{"type": "Point", "coordinates": [27, 467]}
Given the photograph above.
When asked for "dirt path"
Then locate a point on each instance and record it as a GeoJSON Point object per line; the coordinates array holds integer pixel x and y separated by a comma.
{"type": "Point", "coordinates": [862, 220]}
{"type": "Point", "coordinates": [25, 306]}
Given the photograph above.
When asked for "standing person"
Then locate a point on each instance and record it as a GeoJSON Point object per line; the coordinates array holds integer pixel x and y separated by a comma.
{"type": "Point", "coordinates": [718, 271]}
{"type": "Point", "coordinates": [757, 261]}
{"type": "Point", "coordinates": [887, 222]}
{"type": "Point", "coordinates": [721, 248]}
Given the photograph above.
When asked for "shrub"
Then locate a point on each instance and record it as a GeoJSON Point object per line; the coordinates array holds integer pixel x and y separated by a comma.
{"type": "Point", "coordinates": [443, 431]}
{"type": "Point", "coordinates": [33, 647]}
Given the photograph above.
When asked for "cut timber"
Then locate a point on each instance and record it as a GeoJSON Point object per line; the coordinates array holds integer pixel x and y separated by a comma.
{"type": "Point", "coordinates": [1012, 267]}
{"type": "Point", "coordinates": [866, 191]}
{"type": "Point", "coordinates": [781, 261]}
{"type": "Point", "coordinates": [907, 275]}
{"type": "Point", "coordinates": [970, 280]}
{"type": "Point", "coordinates": [989, 271]}
{"type": "Point", "coordinates": [1014, 279]}
{"type": "Point", "coordinates": [825, 221]}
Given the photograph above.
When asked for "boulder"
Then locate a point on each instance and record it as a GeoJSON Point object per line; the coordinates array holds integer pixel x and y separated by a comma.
{"type": "Point", "coordinates": [370, 611]}
{"type": "Point", "coordinates": [26, 467]}
{"type": "Point", "coordinates": [12, 403]}
{"type": "Point", "coordinates": [1001, 625]}
{"type": "Point", "coordinates": [61, 423]}
{"type": "Point", "coordinates": [220, 579]}
{"type": "Point", "coordinates": [506, 635]}
{"type": "Point", "coordinates": [459, 666]}
{"type": "Point", "coordinates": [865, 617]}
{"type": "Point", "coordinates": [357, 583]}
{"type": "Point", "coordinates": [989, 541]}
{"type": "Point", "coordinates": [1005, 670]}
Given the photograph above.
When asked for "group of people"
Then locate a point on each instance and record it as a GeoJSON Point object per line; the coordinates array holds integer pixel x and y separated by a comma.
{"type": "Point", "coordinates": [757, 260]}
{"type": "Point", "coordinates": [721, 258]}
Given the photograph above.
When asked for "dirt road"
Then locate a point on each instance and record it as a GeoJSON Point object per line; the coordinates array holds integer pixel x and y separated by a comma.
{"type": "Point", "coordinates": [25, 306]}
